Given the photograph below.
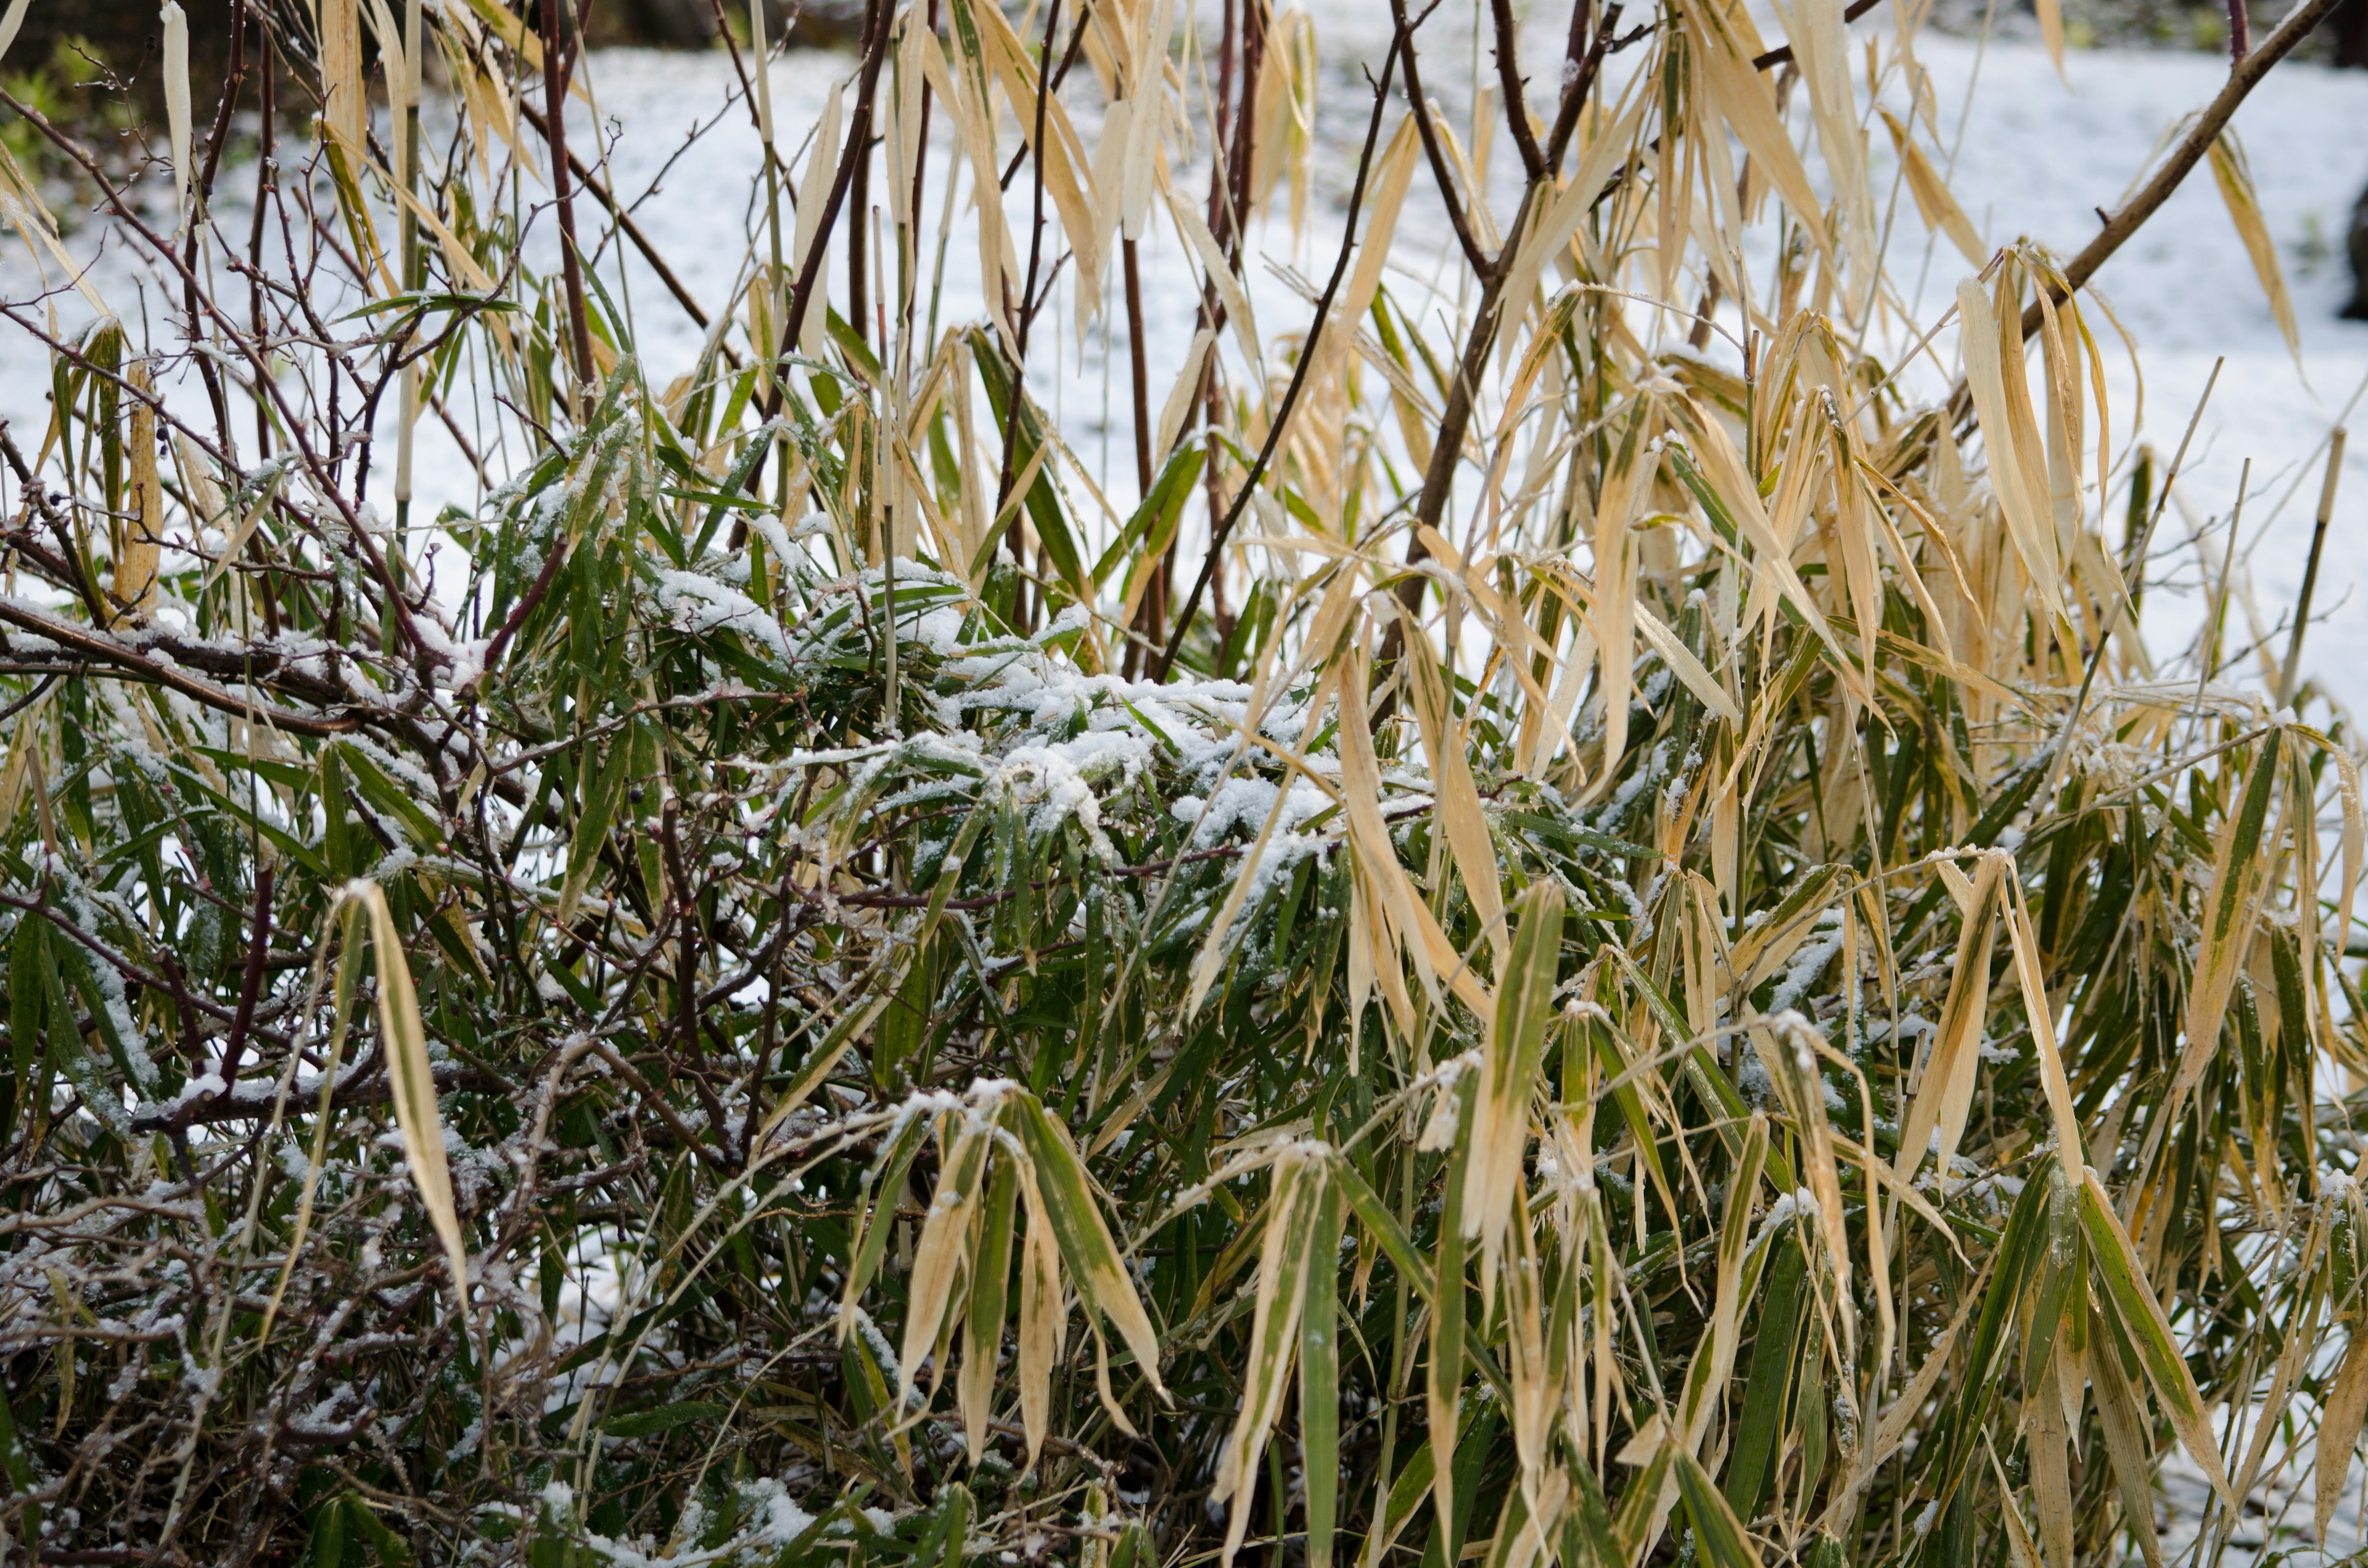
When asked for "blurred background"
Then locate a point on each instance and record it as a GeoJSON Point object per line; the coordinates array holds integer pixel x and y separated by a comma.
{"type": "Point", "coordinates": [64, 38]}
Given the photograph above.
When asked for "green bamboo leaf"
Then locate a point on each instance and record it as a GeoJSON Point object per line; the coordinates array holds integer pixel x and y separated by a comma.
{"type": "Point", "coordinates": [990, 1285]}
{"type": "Point", "coordinates": [1717, 1532]}
{"type": "Point", "coordinates": [388, 1546]}
{"type": "Point", "coordinates": [1498, 1137]}
{"type": "Point", "coordinates": [1768, 1391]}
{"type": "Point", "coordinates": [383, 793]}
{"type": "Point", "coordinates": [1443, 1358]}
{"type": "Point", "coordinates": [1091, 1257]}
{"type": "Point", "coordinates": [1042, 500]}
{"type": "Point", "coordinates": [27, 993]}
{"type": "Point", "coordinates": [1154, 520]}
{"type": "Point", "coordinates": [601, 792]}
{"type": "Point", "coordinates": [662, 1418]}
{"type": "Point", "coordinates": [2140, 1316]}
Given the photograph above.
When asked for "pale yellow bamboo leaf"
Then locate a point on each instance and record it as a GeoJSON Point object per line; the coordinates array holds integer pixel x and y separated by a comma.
{"type": "Point", "coordinates": [814, 193]}
{"type": "Point", "coordinates": [940, 1252]}
{"type": "Point", "coordinates": [1392, 174]}
{"type": "Point", "coordinates": [1216, 944]}
{"type": "Point", "coordinates": [345, 111]}
{"type": "Point", "coordinates": [1457, 807]}
{"type": "Point", "coordinates": [1821, 54]}
{"type": "Point", "coordinates": [2050, 30]}
{"type": "Point", "coordinates": [1937, 1117]}
{"type": "Point", "coordinates": [1220, 275]}
{"type": "Point", "coordinates": [2129, 1446]}
{"type": "Point", "coordinates": [1746, 98]}
{"type": "Point", "coordinates": [1178, 405]}
{"type": "Point", "coordinates": [1068, 179]}
{"type": "Point", "coordinates": [176, 104]}
{"type": "Point", "coordinates": [1988, 376]}
{"type": "Point", "coordinates": [1147, 118]}
{"type": "Point", "coordinates": [2040, 1016]}
{"type": "Point", "coordinates": [1934, 203]}
{"type": "Point", "coordinates": [1550, 233]}
{"type": "Point", "coordinates": [1041, 1318]}
{"type": "Point", "coordinates": [2023, 1549]}
{"type": "Point", "coordinates": [1689, 670]}
{"type": "Point", "coordinates": [1280, 1298]}
{"type": "Point", "coordinates": [411, 1078]}
{"type": "Point", "coordinates": [2048, 1443]}
{"type": "Point", "coordinates": [2234, 175]}
{"type": "Point", "coordinates": [2338, 1429]}
{"type": "Point", "coordinates": [143, 533]}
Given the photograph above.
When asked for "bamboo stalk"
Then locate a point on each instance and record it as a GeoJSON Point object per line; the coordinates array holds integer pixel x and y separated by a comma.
{"type": "Point", "coordinates": [2291, 671]}
{"type": "Point", "coordinates": [414, 269]}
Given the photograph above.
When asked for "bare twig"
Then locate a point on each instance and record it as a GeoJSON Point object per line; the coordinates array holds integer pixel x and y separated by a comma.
{"type": "Point", "coordinates": [2191, 150]}
{"type": "Point", "coordinates": [1282, 421]}
{"type": "Point", "coordinates": [258, 949]}
{"type": "Point", "coordinates": [1508, 78]}
{"type": "Point", "coordinates": [1441, 174]}
{"type": "Point", "coordinates": [555, 40]}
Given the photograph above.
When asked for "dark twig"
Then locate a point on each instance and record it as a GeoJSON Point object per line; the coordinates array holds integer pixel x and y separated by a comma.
{"type": "Point", "coordinates": [516, 618]}
{"type": "Point", "coordinates": [594, 188]}
{"type": "Point", "coordinates": [2190, 151]}
{"type": "Point", "coordinates": [1783, 52]}
{"type": "Point", "coordinates": [1441, 173]}
{"type": "Point", "coordinates": [1028, 300]}
{"type": "Point", "coordinates": [1517, 100]}
{"type": "Point", "coordinates": [1282, 421]}
{"type": "Point", "coordinates": [258, 949]}
{"type": "Point", "coordinates": [554, 129]}
{"type": "Point", "coordinates": [859, 146]}
{"type": "Point", "coordinates": [1581, 66]}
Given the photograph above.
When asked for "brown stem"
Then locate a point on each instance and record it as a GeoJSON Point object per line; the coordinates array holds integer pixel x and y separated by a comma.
{"type": "Point", "coordinates": [139, 666]}
{"type": "Point", "coordinates": [921, 147]}
{"type": "Point", "coordinates": [2190, 151]}
{"type": "Point", "coordinates": [516, 618]}
{"type": "Point", "coordinates": [1441, 174]}
{"type": "Point", "coordinates": [1028, 302]}
{"type": "Point", "coordinates": [266, 180]}
{"type": "Point", "coordinates": [207, 372]}
{"type": "Point", "coordinates": [1579, 66]}
{"type": "Point", "coordinates": [1509, 79]}
{"type": "Point", "coordinates": [554, 129]}
{"type": "Point", "coordinates": [1307, 354]}
{"type": "Point", "coordinates": [1455, 419]}
{"type": "Point", "coordinates": [1140, 366]}
{"type": "Point", "coordinates": [592, 186]}
{"type": "Point", "coordinates": [858, 276]}
{"type": "Point", "coordinates": [258, 949]}
{"type": "Point", "coordinates": [859, 143]}
{"type": "Point", "coordinates": [1783, 52]}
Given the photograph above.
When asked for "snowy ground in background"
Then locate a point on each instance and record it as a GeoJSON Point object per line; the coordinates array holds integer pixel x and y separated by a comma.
{"type": "Point", "coordinates": [2036, 155]}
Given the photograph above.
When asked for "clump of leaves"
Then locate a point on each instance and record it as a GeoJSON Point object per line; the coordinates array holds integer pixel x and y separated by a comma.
{"type": "Point", "coordinates": [1559, 938]}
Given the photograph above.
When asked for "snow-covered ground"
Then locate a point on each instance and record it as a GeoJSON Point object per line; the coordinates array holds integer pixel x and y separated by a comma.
{"type": "Point", "coordinates": [2035, 155]}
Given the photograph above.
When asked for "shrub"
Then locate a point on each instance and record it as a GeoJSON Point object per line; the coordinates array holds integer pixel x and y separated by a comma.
{"type": "Point", "coordinates": [800, 983]}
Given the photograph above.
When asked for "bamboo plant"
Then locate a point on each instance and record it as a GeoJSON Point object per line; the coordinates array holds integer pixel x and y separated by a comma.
{"type": "Point", "coordinates": [1580, 929]}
